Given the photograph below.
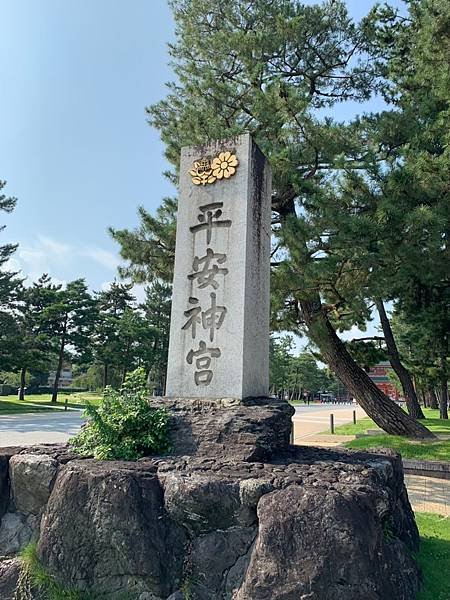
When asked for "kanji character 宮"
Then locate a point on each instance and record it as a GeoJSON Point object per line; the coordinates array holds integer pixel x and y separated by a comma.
{"type": "Point", "coordinates": [204, 374]}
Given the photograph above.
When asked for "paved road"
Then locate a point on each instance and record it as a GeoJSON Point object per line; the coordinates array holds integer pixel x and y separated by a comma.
{"type": "Point", "coordinates": [313, 419]}
{"type": "Point", "coordinates": [39, 428]}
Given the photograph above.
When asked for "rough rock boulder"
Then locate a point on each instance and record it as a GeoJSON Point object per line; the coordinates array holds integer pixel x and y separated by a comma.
{"type": "Point", "coordinates": [308, 524]}
{"type": "Point", "coordinates": [250, 429]}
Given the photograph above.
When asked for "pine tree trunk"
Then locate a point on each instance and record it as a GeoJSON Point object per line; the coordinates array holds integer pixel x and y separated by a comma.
{"type": "Point", "coordinates": [424, 398]}
{"type": "Point", "coordinates": [386, 414]}
{"type": "Point", "coordinates": [443, 398]}
{"type": "Point", "coordinates": [412, 402]}
{"type": "Point", "coordinates": [23, 372]}
{"type": "Point", "coordinates": [60, 363]}
{"type": "Point", "coordinates": [433, 399]}
{"type": "Point", "coordinates": [105, 375]}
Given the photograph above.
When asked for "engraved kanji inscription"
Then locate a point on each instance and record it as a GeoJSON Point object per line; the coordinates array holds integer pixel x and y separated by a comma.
{"type": "Point", "coordinates": [209, 219]}
{"type": "Point", "coordinates": [203, 375]}
{"type": "Point", "coordinates": [193, 315]}
{"type": "Point", "coordinates": [205, 271]}
{"type": "Point", "coordinates": [211, 319]}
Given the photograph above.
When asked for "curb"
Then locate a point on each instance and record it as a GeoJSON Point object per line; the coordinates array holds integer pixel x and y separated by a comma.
{"type": "Point", "coordinates": [427, 468]}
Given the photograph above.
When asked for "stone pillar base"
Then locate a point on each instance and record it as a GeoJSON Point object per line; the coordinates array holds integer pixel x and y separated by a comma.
{"type": "Point", "coordinates": [250, 429]}
{"type": "Point", "coordinates": [315, 524]}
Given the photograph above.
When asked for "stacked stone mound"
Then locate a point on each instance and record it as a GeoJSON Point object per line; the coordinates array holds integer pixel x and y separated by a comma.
{"type": "Point", "coordinates": [305, 523]}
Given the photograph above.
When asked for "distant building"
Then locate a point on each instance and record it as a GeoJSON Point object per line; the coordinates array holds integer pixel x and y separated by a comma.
{"type": "Point", "coordinates": [379, 374]}
{"type": "Point", "coordinates": [65, 379]}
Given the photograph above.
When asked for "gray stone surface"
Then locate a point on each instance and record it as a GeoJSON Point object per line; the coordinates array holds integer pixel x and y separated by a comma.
{"type": "Point", "coordinates": [31, 478]}
{"type": "Point", "coordinates": [4, 483]}
{"type": "Point", "coordinates": [241, 370]}
{"type": "Point", "coordinates": [105, 529]}
{"type": "Point", "coordinates": [250, 429]}
{"type": "Point", "coordinates": [16, 531]}
{"type": "Point", "coordinates": [9, 576]}
{"type": "Point", "coordinates": [310, 523]}
{"type": "Point", "coordinates": [15, 584]}
{"type": "Point", "coordinates": [318, 528]}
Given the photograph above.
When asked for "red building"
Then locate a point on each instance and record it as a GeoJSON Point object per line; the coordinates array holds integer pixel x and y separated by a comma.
{"type": "Point", "coordinates": [379, 374]}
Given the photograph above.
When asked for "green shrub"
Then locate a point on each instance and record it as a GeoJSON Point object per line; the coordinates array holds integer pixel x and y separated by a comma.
{"type": "Point", "coordinates": [124, 426]}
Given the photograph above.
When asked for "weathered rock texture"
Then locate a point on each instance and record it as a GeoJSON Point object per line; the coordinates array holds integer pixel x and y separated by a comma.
{"type": "Point", "coordinates": [9, 575]}
{"type": "Point", "coordinates": [249, 429]}
{"type": "Point", "coordinates": [309, 525]}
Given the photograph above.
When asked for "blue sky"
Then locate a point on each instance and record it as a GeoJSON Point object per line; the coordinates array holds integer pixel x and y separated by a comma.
{"type": "Point", "coordinates": [75, 147]}
{"type": "Point", "coordinates": [74, 144]}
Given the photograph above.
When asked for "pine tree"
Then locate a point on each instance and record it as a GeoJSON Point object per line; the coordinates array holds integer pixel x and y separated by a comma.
{"type": "Point", "coordinates": [276, 68]}
{"type": "Point", "coordinates": [8, 281]}
{"type": "Point", "coordinates": [35, 347]}
{"type": "Point", "coordinates": [410, 253]}
{"type": "Point", "coordinates": [111, 306]}
{"type": "Point", "coordinates": [9, 288]}
{"type": "Point", "coordinates": [156, 308]}
{"type": "Point", "coordinates": [422, 327]}
{"type": "Point", "coordinates": [425, 176]}
{"type": "Point", "coordinates": [150, 249]}
{"type": "Point", "coordinates": [128, 336]}
{"type": "Point", "coordinates": [71, 319]}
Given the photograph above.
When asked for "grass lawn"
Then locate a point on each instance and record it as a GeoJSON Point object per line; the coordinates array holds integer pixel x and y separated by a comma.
{"type": "Point", "coordinates": [434, 556]}
{"type": "Point", "coordinates": [425, 450]}
{"type": "Point", "coordinates": [432, 422]}
{"type": "Point", "coordinates": [42, 402]}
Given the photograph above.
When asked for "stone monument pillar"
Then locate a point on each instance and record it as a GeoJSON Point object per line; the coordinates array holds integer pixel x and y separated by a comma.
{"type": "Point", "coordinates": [219, 333]}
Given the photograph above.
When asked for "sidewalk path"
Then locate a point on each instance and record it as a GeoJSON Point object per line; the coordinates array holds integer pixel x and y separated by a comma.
{"type": "Point", "coordinates": [39, 428]}
{"type": "Point", "coordinates": [429, 494]}
{"type": "Point", "coordinates": [313, 419]}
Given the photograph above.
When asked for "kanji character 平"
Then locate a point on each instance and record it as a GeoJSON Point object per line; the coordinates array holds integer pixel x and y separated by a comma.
{"type": "Point", "coordinates": [209, 219]}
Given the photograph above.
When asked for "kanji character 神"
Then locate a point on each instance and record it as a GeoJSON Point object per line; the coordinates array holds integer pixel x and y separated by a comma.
{"type": "Point", "coordinates": [194, 318]}
{"type": "Point", "coordinates": [211, 319]}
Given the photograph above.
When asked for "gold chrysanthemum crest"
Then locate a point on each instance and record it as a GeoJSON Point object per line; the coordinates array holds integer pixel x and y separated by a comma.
{"type": "Point", "coordinates": [205, 171]}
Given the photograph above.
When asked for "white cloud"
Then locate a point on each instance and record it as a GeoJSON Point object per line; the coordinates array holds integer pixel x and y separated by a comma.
{"type": "Point", "coordinates": [52, 256]}
{"type": "Point", "coordinates": [33, 261]}
{"type": "Point", "coordinates": [54, 247]}
{"type": "Point", "coordinates": [104, 287]}
{"type": "Point", "coordinates": [139, 292]}
{"type": "Point", "coordinates": [103, 257]}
